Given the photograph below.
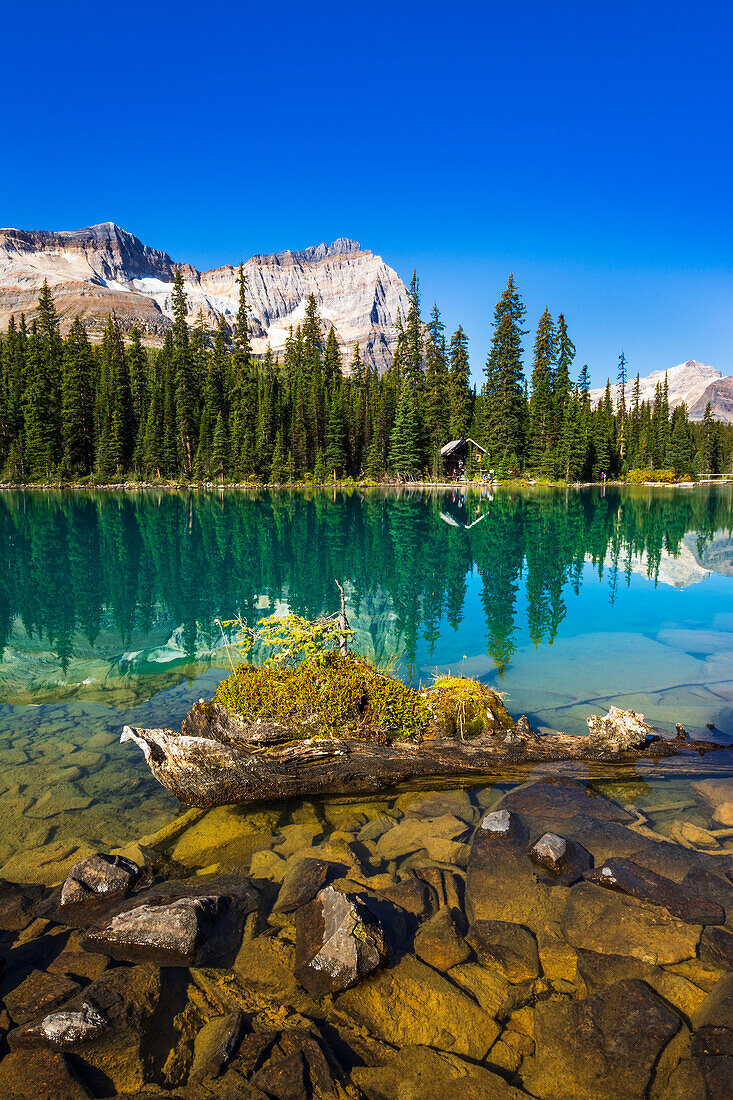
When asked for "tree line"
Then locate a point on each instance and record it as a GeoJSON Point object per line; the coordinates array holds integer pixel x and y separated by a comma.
{"type": "Point", "coordinates": [203, 408]}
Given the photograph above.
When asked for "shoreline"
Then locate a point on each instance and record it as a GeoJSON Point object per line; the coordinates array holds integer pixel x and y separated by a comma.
{"type": "Point", "coordinates": [208, 486]}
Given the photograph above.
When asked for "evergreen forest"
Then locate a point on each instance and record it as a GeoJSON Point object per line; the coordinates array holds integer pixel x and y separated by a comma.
{"type": "Point", "coordinates": [202, 408]}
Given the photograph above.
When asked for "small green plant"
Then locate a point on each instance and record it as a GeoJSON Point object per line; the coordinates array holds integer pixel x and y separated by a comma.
{"type": "Point", "coordinates": [296, 639]}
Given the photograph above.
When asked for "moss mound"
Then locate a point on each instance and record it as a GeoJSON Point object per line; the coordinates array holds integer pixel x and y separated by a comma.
{"type": "Point", "coordinates": [338, 696]}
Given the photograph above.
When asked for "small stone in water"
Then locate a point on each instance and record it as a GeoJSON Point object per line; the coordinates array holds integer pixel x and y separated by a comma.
{"type": "Point", "coordinates": [70, 1027]}
{"type": "Point", "coordinates": [497, 822]}
{"type": "Point", "coordinates": [97, 875]}
{"type": "Point", "coordinates": [549, 851]}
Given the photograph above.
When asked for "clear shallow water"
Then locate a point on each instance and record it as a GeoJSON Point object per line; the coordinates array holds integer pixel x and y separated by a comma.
{"type": "Point", "coordinates": [566, 601]}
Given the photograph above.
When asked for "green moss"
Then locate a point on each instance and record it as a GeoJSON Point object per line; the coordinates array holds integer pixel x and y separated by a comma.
{"type": "Point", "coordinates": [348, 696]}
{"type": "Point", "coordinates": [330, 695]}
{"type": "Point", "coordinates": [466, 708]}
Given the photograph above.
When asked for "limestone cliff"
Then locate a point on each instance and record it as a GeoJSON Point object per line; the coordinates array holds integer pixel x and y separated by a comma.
{"type": "Point", "coordinates": [102, 268]}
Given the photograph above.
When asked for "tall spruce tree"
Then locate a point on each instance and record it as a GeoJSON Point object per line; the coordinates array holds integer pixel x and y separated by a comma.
{"type": "Point", "coordinates": [404, 441]}
{"type": "Point", "coordinates": [541, 405]}
{"type": "Point", "coordinates": [77, 400]}
{"type": "Point", "coordinates": [437, 389]}
{"type": "Point", "coordinates": [505, 405]}
{"type": "Point", "coordinates": [460, 393]}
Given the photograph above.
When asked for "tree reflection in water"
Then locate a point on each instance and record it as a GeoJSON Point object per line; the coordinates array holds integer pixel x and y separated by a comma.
{"type": "Point", "coordinates": [73, 562]}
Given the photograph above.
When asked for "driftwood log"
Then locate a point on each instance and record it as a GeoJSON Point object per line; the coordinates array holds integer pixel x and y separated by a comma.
{"type": "Point", "coordinates": [218, 759]}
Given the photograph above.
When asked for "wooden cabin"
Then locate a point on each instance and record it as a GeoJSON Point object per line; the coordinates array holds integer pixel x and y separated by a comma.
{"type": "Point", "coordinates": [456, 455]}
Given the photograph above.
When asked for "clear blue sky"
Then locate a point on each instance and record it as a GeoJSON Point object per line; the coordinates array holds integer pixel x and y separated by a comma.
{"type": "Point", "coordinates": [585, 146]}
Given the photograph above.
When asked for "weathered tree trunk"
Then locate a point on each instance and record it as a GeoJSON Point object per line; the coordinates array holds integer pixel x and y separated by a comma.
{"type": "Point", "coordinates": [219, 759]}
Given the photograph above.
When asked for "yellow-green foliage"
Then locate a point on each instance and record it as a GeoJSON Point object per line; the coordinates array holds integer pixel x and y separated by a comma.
{"type": "Point", "coordinates": [295, 638]}
{"type": "Point", "coordinates": [466, 708]}
{"type": "Point", "coordinates": [340, 696]}
{"type": "Point", "coordinates": [636, 477]}
{"type": "Point", "coordinates": [330, 694]}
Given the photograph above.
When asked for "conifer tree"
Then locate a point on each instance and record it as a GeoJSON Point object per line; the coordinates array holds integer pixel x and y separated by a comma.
{"type": "Point", "coordinates": [563, 387]}
{"type": "Point", "coordinates": [404, 440]}
{"type": "Point", "coordinates": [332, 371]}
{"type": "Point", "coordinates": [459, 392]}
{"type": "Point", "coordinates": [437, 387]}
{"type": "Point", "coordinates": [541, 407]}
{"type": "Point", "coordinates": [412, 365]}
{"type": "Point", "coordinates": [219, 448]}
{"type": "Point", "coordinates": [41, 405]}
{"type": "Point", "coordinates": [77, 402]}
{"type": "Point", "coordinates": [185, 384]}
{"type": "Point", "coordinates": [505, 401]}
{"type": "Point", "coordinates": [320, 470]}
{"type": "Point", "coordinates": [277, 471]}
{"type": "Point", "coordinates": [335, 456]}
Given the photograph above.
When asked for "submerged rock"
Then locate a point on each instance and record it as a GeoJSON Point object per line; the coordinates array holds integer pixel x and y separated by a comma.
{"type": "Point", "coordinates": [563, 798]}
{"type": "Point", "coordinates": [411, 1003]}
{"type": "Point", "coordinates": [712, 1043]}
{"type": "Point", "coordinates": [176, 924]}
{"type": "Point", "coordinates": [419, 1073]}
{"type": "Point", "coordinates": [509, 948]}
{"type": "Point", "coordinates": [339, 941]}
{"type": "Point", "coordinates": [114, 1056]}
{"type": "Point", "coordinates": [303, 879]}
{"type": "Point", "coordinates": [564, 860]}
{"type": "Point", "coordinates": [439, 942]}
{"type": "Point", "coordinates": [38, 993]}
{"type": "Point", "coordinates": [36, 1074]}
{"type": "Point", "coordinates": [614, 924]}
{"type": "Point", "coordinates": [639, 882]}
{"type": "Point", "coordinates": [606, 1045]}
{"type": "Point", "coordinates": [98, 876]}
{"type": "Point", "coordinates": [17, 904]}
{"type": "Point", "coordinates": [72, 1027]}
{"type": "Point", "coordinates": [215, 1045]}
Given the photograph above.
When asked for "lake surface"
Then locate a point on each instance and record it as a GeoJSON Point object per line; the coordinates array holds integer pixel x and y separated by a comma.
{"type": "Point", "coordinates": [567, 601]}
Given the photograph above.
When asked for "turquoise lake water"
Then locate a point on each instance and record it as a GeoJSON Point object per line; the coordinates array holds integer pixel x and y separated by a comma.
{"type": "Point", "coordinates": [567, 601]}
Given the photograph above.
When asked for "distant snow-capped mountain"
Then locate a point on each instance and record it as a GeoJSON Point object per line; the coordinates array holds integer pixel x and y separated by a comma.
{"type": "Point", "coordinates": [685, 382]}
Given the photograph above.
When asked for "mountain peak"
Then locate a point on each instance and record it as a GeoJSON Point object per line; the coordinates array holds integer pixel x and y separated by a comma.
{"type": "Point", "coordinates": [344, 246]}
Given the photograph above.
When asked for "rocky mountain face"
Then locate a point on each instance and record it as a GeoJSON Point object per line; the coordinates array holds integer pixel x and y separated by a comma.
{"type": "Point", "coordinates": [103, 269]}
{"type": "Point", "coordinates": [720, 395]}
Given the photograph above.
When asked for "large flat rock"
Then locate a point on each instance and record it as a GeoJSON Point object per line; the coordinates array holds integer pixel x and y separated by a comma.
{"type": "Point", "coordinates": [613, 924]}
{"type": "Point", "coordinates": [604, 1046]}
{"type": "Point", "coordinates": [411, 1003]}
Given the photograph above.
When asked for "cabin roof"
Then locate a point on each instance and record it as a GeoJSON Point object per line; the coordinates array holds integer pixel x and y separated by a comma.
{"type": "Point", "coordinates": [456, 444]}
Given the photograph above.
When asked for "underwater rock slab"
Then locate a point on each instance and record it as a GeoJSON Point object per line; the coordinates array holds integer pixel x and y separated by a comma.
{"type": "Point", "coordinates": [439, 943]}
{"type": "Point", "coordinates": [302, 881]}
{"type": "Point", "coordinates": [411, 1003]}
{"type": "Point", "coordinates": [175, 923]}
{"type": "Point", "coordinates": [419, 1073]}
{"type": "Point", "coordinates": [639, 882]}
{"type": "Point", "coordinates": [509, 948]}
{"type": "Point", "coordinates": [613, 924]}
{"type": "Point", "coordinates": [112, 1055]}
{"type": "Point", "coordinates": [606, 1045]}
{"type": "Point", "coordinates": [17, 905]}
{"type": "Point", "coordinates": [39, 993]}
{"type": "Point", "coordinates": [32, 1074]}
